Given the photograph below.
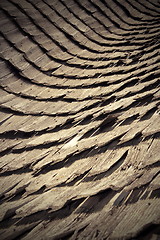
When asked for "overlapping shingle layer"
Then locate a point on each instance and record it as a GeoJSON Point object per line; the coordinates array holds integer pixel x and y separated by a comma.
{"type": "Point", "coordinates": [79, 135]}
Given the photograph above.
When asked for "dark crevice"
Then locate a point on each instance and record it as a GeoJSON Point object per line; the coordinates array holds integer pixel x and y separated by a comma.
{"type": "Point", "coordinates": [96, 202]}
{"type": "Point", "coordinates": [107, 173]}
{"type": "Point", "coordinates": [51, 215]}
{"type": "Point", "coordinates": [143, 48]}
{"type": "Point", "coordinates": [147, 232]}
{"type": "Point", "coordinates": [26, 230]}
{"type": "Point", "coordinates": [136, 104]}
{"type": "Point", "coordinates": [108, 101]}
{"type": "Point", "coordinates": [156, 164]}
{"type": "Point", "coordinates": [148, 114]}
{"type": "Point", "coordinates": [12, 134]}
{"type": "Point", "coordinates": [2, 194]}
{"type": "Point", "coordinates": [94, 30]}
{"type": "Point", "coordinates": [5, 152]}
{"type": "Point", "coordinates": [89, 133]}
{"type": "Point", "coordinates": [137, 194]}
{"type": "Point", "coordinates": [72, 157]}
{"type": "Point", "coordinates": [128, 15]}
{"type": "Point", "coordinates": [140, 10]}
{"type": "Point", "coordinates": [99, 74]}
{"type": "Point", "coordinates": [65, 236]}
{"type": "Point", "coordinates": [41, 113]}
{"type": "Point", "coordinates": [121, 198]}
{"type": "Point", "coordinates": [40, 146]}
{"type": "Point", "coordinates": [86, 120]}
{"type": "Point", "coordinates": [153, 136]}
{"type": "Point", "coordinates": [129, 120]}
{"type": "Point", "coordinates": [155, 194]}
{"type": "Point", "coordinates": [113, 21]}
{"type": "Point", "coordinates": [144, 100]}
{"type": "Point", "coordinates": [126, 11]}
{"type": "Point", "coordinates": [106, 125]}
{"type": "Point", "coordinates": [19, 150]}
{"type": "Point", "coordinates": [142, 193]}
{"type": "Point", "coordinates": [148, 8]}
{"type": "Point", "coordinates": [150, 77]}
{"type": "Point", "coordinates": [33, 21]}
{"type": "Point", "coordinates": [8, 221]}
{"type": "Point", "coordinates": [38, 192]}
{"type": "Point", "coordinates": [3, 121]}
{"type": "Point", "coordinates": [67, 161]}
{"type": "Point", "coordinates": [133, 142]}
{"type": "Point", "coordinates": [16, 134]}
{"type": "Point", "coordinates": [9, 217]}
{"type": "Point", "coordinates": [150, 87]}
{"type": "Point", "coordinates": [19, 171]}
{"type": "Point", "coordinates": [154, 4]}
{"type": "Point", "coordinates": [74, 181]}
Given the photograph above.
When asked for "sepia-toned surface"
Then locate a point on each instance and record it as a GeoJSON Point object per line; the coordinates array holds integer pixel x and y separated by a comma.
{"type": "Point", "coordinates": [80, 125]}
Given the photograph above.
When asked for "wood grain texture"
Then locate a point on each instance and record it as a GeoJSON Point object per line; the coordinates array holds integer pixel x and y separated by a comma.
{"type": "Point", "coordinates": [79, 119]}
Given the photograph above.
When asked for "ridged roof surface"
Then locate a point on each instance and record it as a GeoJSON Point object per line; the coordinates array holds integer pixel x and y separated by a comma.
{"type": "Point", "coordinates": [80, 125]}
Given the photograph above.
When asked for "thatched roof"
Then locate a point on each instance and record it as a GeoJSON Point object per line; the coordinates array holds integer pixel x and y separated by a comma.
{"type": "Point", "coordinates": [80, 126]}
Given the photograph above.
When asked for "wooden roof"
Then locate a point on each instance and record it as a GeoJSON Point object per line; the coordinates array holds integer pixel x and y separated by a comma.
{"type": "Point", "coordinates": [80, 126]}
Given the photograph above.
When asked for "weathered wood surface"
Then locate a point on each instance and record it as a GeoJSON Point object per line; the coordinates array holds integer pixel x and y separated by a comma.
{"type": "Point", "coordinates": [80, 125]}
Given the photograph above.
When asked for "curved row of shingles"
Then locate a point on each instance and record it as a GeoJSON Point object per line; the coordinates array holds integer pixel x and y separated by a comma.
{"type": "Point", "coordinates": [69, 189]}
{"type": "Point", "coordinates": [54, 16]}
{"type": "Point", "coordinates": [77, 18]}
{"type": "Point", "coordinates": [118, 20]}
{"type": "Point", "coordinates": [35, 185]}
{"type": "Point", "coordinates": [91, 21]}
{"type": "Point", "coordinates": [110, 14]}
{"type": "Point", "coordinates": [74, 25]}
{"type": "Point", "coordinates": [140, 90]}
{"type": "Point", "coordinates": [37, 204]}
{"type": "Point", "coordinates": [99, 73]}
{"type": "Point", "coordinates": [149, 7]}
{"type": "Point", "coordinates": [45, 140]}
{"type": "Point", "coordinates": [60, 69]}
{"type": "Point", "coordinates": [13, 105]}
